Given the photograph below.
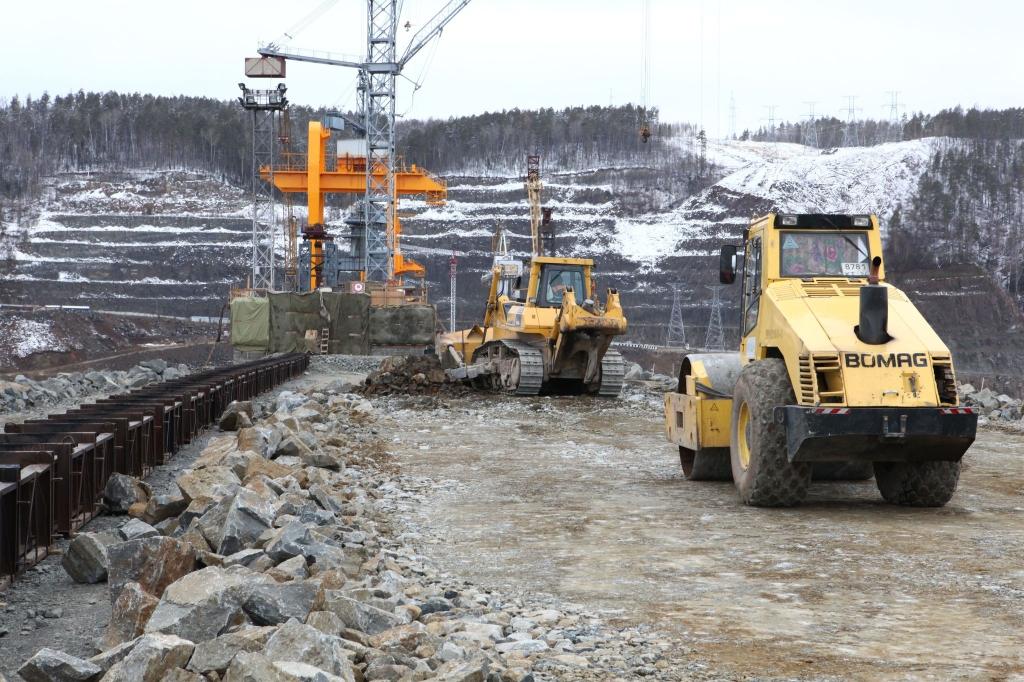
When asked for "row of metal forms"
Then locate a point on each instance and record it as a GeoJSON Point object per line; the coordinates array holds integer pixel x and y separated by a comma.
{"type": "Point", "coordinates": [53, 471]}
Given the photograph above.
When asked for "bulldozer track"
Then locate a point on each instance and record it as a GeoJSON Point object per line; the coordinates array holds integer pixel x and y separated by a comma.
{"type": "Point", "coordinates": [613, 369]}
{"type": "Point", "coordinates": [531, 367]}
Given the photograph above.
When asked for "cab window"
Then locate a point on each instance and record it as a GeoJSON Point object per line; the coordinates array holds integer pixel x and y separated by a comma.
{"type": "Point", "coordinates": [555, 279]}
{"type": "Point", "coordinates": [751, 284]}
{"type": "Point", "coordinates": [824, 254]}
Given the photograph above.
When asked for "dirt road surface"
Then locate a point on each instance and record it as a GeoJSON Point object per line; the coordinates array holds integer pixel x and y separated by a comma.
{"type": "Point", "coordinates": [584, 500]}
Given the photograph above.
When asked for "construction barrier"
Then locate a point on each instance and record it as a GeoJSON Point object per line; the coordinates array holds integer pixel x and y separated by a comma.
{"type": "Point", "coordinates": [53, 471]}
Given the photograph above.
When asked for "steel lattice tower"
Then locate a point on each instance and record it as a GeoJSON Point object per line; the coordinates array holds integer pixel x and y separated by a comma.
{"type": "Point", "coordinates": [264, 105]}
{"type": "Point", "coordinates": [676, 334]}
{"type": "Point", "coordinates": [732, 116]}
{"type": "Point", "coordinates": [377, 91]}
{"type": "Point", "coordinates": [811, 127]}
{"type": "Point", "coordinates": [772, 108]}
{"type": "Point", "coordinates": [850, 134]}
{"type": "Point", "coordinates": [715, 339]}
{"type": "Point", "coordinates": [895, 132]}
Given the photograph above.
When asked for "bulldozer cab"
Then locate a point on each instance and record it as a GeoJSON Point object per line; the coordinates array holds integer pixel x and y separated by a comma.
{"type": "Point", "coordinates": [552, 278]}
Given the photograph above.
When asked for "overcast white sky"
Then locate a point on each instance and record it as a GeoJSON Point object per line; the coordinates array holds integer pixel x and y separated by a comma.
{"type": "Point", "coordinates": [501, 54]}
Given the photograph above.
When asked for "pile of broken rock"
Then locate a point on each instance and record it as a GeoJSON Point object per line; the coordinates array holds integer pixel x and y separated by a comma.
{"type": "Point", "coordinates": [988, 403]}
{"type": "Point", "coordinates": [409, 375]}
{"type": "Point", "coordinates": [25, 393]}
{"type": "Point", "coordinates": [276, 563]}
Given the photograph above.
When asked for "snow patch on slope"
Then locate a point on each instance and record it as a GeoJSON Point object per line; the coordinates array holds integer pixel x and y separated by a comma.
{"type": "Point", "coordinates": [789, 177]}
{"type": "Point", "coordinates": [31, 336]}
{"type": "Point", "coordinates": [847, 180]}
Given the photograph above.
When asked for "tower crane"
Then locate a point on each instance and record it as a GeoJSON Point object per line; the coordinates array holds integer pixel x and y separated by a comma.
{"type": "Point", "coordinates": [376, 89]}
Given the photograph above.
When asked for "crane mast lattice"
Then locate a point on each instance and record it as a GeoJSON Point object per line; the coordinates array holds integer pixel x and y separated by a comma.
{"type": "Point", "coordinates": [377, 76]}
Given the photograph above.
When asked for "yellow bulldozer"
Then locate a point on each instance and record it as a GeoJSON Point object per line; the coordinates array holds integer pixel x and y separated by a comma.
{"type": "Point", "coordinates": [835, 368]}
{"type": "Point", "coordinates": [544, 330]}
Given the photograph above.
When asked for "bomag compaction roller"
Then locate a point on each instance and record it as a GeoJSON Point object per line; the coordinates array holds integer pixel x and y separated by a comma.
{"type": "Point", "coordinates": [837, 370]}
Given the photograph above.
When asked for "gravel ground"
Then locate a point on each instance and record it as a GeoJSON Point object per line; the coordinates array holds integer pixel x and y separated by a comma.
{"type": "Point", "coordinates": [578, 503]}
{"type": "Point", "coordinates": [582, 501]}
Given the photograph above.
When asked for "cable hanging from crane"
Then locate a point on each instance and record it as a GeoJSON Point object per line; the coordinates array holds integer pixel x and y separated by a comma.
{"type": "Point", "coordinates": [304, 23]}
{"type": "Point", "coordinates": [645, 72]}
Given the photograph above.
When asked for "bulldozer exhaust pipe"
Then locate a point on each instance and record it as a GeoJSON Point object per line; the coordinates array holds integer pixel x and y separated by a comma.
{"type": "Point", "coordinates": [874, 309]}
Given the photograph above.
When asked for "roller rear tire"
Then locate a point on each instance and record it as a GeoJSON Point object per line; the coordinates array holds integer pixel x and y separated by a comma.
{"type": "Point", "coordinates": [917, 484]}
{"type": "Point", "coordinates": [761, 469]}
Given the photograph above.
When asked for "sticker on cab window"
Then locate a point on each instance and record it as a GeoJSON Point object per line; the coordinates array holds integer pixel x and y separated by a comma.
{"type": "Point", "coordinates": [790, 243]}
{"type": "Point", "coordinates": [855, 269]}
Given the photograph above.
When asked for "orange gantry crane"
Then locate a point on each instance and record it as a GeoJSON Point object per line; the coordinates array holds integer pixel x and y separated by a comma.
{"type": "Point", "coordinates": [349, 176]}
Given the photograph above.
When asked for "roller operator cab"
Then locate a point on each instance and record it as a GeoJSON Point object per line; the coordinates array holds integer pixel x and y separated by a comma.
{"type": "Point", "coordinates": [838, 375]}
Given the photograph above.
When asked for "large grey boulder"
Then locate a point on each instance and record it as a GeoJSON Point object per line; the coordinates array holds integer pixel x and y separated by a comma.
{"type": "Point", "coordinates": [211, 524]}
{"type": "Point", "coordinates": [51, 665]}
{"type": "Point", "coordinates": [634, 372]}
{"type": "Point", "coordinates": [151, 659]}
{"type": "Point", "coordinates": [210, 482]}
{"type": "Point", "coordinates": [250, 666]}
{"type": "Point", "coordinates": [156, 365]}
{"type": "Point", "coordinates": [275, 603]}
{"type": "Point", "coordinates": [102, 382]}
{"type": "Point", "coordinates": [215, 655]}
{"type": "Point", "coordinates": [162, 507]}
{"type": "Point", "coordinates": [247, 518]}
{"type": "Point", "coordinates": [231, 420]}
{"type": "Point", "coordinates": [86, 557]}
{"type": "Point", "coordinates": [123, 491]}
{"type": "Point", "coordinates": [288, 401]}
{"type": "Point", "coordinates": [359, 615]}
{"type": "Point", "coordinates": [129, 614]}
{"type": "Point", "coordinates": [305, 644]}
{"type": "Point", "coordinates": [136, 529]}
{"type": "Point", "coordinates": [154, 563]}
{"type": "Point", "coordinates": [205, 603]}
{"type": "Point", "coordinates": [291, 446]}
{"type": "Point", "coordinates": [291, 540]}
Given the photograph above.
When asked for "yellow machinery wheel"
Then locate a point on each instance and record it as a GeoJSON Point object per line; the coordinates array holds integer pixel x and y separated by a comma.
{"type": "Point", "coordinates": [743, 436]}
{"type": "Point", "coordinates": [761, 469]}
{"type": "Point", "coordinates": [917, 484]}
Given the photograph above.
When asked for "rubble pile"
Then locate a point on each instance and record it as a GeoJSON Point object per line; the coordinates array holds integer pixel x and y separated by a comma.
{"type": "Point", "coordinates": [24, 393]}
{"type": "Point", "coordinates": [995, 406]}
{"type": "Point", "coordinates": [635, 374]}
{"type": "Point", "coordinates": [409, 375]}
{"type": "Point", "coordinates": [277, 561]}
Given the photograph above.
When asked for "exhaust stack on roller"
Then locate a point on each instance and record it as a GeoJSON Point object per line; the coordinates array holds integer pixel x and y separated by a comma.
{"type": "Point", "coordinates": [874, 309]}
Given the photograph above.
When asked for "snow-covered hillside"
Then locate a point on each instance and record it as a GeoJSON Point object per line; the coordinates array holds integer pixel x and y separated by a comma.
{"type": "Point", "coordinates": [782, 176]}
{"type": "Point", "coordinates": [174, 242]}
{"type": "Point", "coordinates": [163, 242]}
